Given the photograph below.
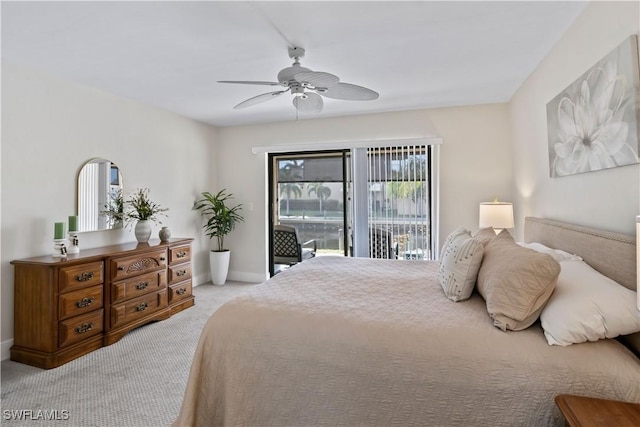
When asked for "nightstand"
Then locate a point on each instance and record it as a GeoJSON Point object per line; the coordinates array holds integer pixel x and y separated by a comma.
{"type": "Point", "coordinates": [581, 411]}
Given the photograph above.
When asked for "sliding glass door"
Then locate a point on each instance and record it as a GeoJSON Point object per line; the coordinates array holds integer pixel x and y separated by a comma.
{"type": "Point", "coordinates": [365, 202]}
{"type": "Point", "coordinates": [308, 192]}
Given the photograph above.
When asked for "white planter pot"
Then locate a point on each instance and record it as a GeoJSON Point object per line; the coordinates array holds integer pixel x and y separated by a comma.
{"type": "Point", "coordinates": [143, 231]}
{"type": "Point", "coordinates": [219, 266]}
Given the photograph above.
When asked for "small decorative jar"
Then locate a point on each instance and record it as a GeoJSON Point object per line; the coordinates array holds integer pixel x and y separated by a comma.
{"type": "Point", "coordinates": [164, 234]}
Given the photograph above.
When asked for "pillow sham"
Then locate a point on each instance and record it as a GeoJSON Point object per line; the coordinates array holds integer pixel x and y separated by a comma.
{"type": "Point", "coordinates": [588, 306]}
{"type": "Point", "coordinates": [515, 282]}
{"type": "Point", "coordinates": [557, 254]}
{"type": "Point", "coordinates": [459, 266]}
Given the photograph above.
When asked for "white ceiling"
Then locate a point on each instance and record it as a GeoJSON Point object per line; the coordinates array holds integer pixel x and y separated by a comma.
{"type": "Point", "coordinates": [170, 55]}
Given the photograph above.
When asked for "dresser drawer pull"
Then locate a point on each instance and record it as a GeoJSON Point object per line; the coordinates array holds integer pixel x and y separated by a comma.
{"type": "Point", "coordinates": [142, 307]}
{"type": "Point", "coordinates": [161, 258]}
{"type": "Point", "coordinates": [85, 327]}
{"type": "Point", "coordinates": [181, 291]}
{"type": "Point", "coordinates": [181, 273]}
{"type": "Point", "coordinates": [84, 276]}
{"type": "Point", "coordinates": [85, 302]}
{"type": "Point", "coordinates": [120, 268]}
{"type": "Point", "coordinates": [181, 254]}
{"type": "Point", "coordinates": [142, 285]}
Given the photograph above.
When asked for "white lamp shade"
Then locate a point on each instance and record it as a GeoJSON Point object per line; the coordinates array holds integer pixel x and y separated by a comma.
{"type": "Point", "coordinates": [496, 214]}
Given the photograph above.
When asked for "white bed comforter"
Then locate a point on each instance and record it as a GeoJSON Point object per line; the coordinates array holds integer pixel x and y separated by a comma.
{"type": "Point", "coordinates": [344, 341]}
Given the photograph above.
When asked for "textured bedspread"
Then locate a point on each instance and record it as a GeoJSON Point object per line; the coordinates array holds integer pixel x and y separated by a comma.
{"type": "Point", "coordinates": [343, 341]}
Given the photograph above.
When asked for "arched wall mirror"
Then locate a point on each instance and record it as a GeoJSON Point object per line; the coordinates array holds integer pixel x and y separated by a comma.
{"type": "Point", "coordinates": [99, 190]}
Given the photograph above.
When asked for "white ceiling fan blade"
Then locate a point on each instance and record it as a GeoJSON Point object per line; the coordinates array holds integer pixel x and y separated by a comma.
{"type": "Point", "coordinates": [349, 92]}
{"type": "Point", "coordinates": [308, 103]}
{"type": "Point", "coordinates": [317, 79]}
{"type": "Point", "coordinates": [249, 82]}
{"type": "Point", "coordinates": [258, 99]}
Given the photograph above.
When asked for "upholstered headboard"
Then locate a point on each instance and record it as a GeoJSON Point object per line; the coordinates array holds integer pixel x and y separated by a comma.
{"type": "Point", "coordinates": [612, 254]}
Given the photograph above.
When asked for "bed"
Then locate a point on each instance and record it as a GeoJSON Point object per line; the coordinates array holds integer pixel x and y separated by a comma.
{"type": "Point", "coordinates": [344, 341]}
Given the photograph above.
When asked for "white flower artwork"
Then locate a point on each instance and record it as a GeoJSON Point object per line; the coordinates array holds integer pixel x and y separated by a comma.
{"type": "Point", "coordinates": [595, 122]}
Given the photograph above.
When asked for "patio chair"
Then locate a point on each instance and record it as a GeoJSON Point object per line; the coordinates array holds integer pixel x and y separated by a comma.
{"type": "Point", "coordinates": [287, 248]}
{"type": "Point", "coordinates": [380, 244]}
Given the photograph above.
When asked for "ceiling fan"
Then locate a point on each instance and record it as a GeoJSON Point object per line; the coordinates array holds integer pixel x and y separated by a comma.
{"type": "Point", "coordinates": [306, 86]}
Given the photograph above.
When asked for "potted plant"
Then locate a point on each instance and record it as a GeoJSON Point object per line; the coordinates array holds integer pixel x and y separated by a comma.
{"type": "Point", "coordinates": [137, 208]}
{"type": "Point", "coordinates": [221, 220]}
{"type": "Point", "coordinates": [143, 211]}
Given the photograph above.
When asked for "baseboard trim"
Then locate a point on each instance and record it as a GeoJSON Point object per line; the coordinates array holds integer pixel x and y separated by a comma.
{"type": "Point", "coordinates": [5, 349]}
{"type": "Point", "coordinates": [200, 279]}
{"type": "Point", "coordinates": [238, 276]}
{"type": "Point", "coordinates": [243, 276]}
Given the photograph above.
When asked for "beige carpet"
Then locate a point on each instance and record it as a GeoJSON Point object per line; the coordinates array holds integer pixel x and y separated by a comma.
{"type": "Point", "coordinates": [138, 381]}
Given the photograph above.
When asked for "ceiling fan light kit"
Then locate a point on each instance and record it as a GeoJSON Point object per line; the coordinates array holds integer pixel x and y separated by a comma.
{"type": "Point", "coordinates": [306, 86]}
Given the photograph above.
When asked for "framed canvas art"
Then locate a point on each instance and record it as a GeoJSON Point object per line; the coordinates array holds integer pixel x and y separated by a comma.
{"type": "Point", "coordinates": [594, 123]}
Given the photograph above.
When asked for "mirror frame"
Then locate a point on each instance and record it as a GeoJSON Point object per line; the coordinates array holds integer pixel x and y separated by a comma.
{"type": "Point", "coordinates": [96, 189]}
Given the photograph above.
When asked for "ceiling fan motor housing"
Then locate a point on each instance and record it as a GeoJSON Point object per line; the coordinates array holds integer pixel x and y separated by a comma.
{"type": "Point", "coordinates": [306, 85]}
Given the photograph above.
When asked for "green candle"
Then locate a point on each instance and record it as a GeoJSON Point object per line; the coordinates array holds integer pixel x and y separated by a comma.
{"type": "Point", "coordinates": [58, 230]}
{"type": "Point", "coordinates": [73, 223]}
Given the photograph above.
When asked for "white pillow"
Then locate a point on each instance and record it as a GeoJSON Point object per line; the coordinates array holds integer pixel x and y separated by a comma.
{"type": "Point", "coordinates": [459, 265]}
{"type": "Point", "coordinates": [557, 254]}
{"type": "Point", "coordinates": [457, 232]}
{"type": "Point", "coordinates": [587, 306]}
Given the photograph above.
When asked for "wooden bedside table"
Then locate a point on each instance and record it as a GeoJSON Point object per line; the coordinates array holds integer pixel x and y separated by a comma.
{"type": "Point", "coordinates": [582, 411]}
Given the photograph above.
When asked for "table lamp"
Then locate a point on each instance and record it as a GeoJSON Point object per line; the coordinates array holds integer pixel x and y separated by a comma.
{"type": "Point", "coordinates": [496, 214]}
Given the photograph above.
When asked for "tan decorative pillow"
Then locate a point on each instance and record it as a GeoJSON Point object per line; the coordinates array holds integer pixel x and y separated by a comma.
{"type": "Point", "coordinates": [459, 266]}
{"type": "Point", "coordinates": [515, 282]}
{"type": "Point", "coordinates": [485, 235]}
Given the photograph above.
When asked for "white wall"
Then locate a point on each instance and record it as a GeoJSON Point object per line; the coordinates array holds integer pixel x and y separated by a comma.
{"type": "Point", "coordinates": [606, 199]}
{"type": "Point", "coordinates": [51, 127]}
{"type": "Point", "coordinates": [474, 163]}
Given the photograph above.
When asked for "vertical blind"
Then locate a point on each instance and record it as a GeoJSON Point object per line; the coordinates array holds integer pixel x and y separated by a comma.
{"type": "Point", "coordinates": [399, 208]}
{"type": "Point", "coordinates": [88, 209]}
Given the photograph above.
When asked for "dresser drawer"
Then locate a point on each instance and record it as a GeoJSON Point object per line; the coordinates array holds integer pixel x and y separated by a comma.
{"type": "Point", "coordinates": [137, 308]}
{"type": "Point", "coordinates": [80, 276]}
{"type": "Point", "coordinates": [180, 254]}
{"type": "Point", "coordinates": [79, 302]}
{"type": "Point", "coordinates": [179, 291]}
{"type": "Point", "coordinates": [80, 327]}
{"type": "Point", "coordinates": [124, 267]}
{"type": "Point", "coordinates": [179, 273]}
{"type": "Point", "coordinates": [138, 285]}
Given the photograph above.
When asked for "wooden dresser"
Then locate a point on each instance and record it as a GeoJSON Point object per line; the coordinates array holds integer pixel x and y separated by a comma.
{"type": "Point", "coordinates": [66, 308]}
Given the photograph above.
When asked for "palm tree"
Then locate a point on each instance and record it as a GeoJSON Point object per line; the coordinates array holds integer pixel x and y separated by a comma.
{"type": "Point", "coordinates": [322, 191]}
{"type": "Point", "coordinates": [289, 173]}
{"type": "Point", "coordinates": [412, 181]}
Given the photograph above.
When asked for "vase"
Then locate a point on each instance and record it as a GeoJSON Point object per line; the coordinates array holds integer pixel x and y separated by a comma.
{"type": "Point", "coordinates": [143, 231]}
{"type": "Point", "coordinates": [164, 234]}
{"type": "Point", "coordinates": [219, 266]}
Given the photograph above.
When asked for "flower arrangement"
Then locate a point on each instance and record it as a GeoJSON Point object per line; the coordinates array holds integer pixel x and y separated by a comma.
{"type": "Point", "coordinates": [138, 207]}
{"type": "Point", "coordinates": [114, 209]}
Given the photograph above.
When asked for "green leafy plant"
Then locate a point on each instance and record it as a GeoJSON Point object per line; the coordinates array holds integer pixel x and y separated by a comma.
{"type": "Point", "coordinates": [114, 209]}
{"type": "Point", "coordinates": [140, 208]}
{"type": "Point", "coordinates": [221, 219]}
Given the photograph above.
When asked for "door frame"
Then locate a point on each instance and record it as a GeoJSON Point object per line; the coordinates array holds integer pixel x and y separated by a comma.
{"type": "Point", "coordinates": [273, 194]}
